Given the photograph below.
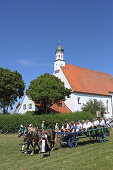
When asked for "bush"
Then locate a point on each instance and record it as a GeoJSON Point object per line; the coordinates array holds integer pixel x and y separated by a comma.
{"type": "Point", "coordinates": [11, 123]}
{"type": "Point", "coordinates": [94, 105]}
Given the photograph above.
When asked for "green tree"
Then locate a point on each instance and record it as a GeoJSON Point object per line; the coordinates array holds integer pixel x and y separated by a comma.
{"type": "Point", "coordinates": [47, 90]}
{"type": "Point", "coordinates": [11, 88]}
{"type": "Point", "coordinates": [93, 106]}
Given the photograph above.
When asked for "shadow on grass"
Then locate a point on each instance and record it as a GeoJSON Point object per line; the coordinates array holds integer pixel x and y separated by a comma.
{"type": "Point", "coordinates": [88, 142]}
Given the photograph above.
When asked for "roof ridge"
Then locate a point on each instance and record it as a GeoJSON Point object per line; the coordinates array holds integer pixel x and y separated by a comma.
{"type": "Point", "coordinates": [89, 69]}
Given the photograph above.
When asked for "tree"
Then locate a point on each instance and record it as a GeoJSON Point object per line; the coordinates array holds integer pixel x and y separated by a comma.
{"type": "Point", "coordinates": [93, 106]}
{"type": "Point", "coordinates": [11, 88]}
{"type": "Point", "coordinates": [47, 90]}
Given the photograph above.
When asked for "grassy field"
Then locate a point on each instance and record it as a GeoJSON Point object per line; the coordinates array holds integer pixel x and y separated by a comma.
{"type": "Point", "coordinates": [86, 156]}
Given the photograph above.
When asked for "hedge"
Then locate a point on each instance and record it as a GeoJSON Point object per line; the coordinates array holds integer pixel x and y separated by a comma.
{"type": "Point", "coordinates": [11, 123]}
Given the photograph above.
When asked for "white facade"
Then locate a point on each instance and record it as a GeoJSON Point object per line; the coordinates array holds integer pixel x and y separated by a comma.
{"type": "Point", "coordinates": [27, 105]}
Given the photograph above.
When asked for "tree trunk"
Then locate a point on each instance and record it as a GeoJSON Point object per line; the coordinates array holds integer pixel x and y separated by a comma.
{"type": "Point", "coordinates": [4, 110]}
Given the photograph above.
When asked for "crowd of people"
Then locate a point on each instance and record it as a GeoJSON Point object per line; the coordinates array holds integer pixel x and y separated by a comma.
{"type": "Point", "coordinates": [84, 124]}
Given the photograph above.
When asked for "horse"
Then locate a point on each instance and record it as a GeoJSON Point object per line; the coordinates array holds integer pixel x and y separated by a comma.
{"type": "Point", "coordinates": [51, 135]}
{"type": "Point", "coordinates": [32, 136]}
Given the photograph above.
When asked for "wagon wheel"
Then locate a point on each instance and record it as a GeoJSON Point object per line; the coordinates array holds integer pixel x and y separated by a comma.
{"type": "Point", "coordinates": [72, 143]}
{"type": "Point", "coordinates": [102, 138]}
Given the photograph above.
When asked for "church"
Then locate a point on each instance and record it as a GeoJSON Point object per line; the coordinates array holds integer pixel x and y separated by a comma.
{"type": "Point", "coordinates": [86, 84]}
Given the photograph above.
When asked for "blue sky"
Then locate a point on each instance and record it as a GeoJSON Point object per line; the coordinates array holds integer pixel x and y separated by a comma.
{"type": "Point", "coordinates": [30, 31]}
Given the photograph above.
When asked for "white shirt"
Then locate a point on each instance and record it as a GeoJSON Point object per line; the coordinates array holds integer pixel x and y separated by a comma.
{"type": "Point", "coordinates": [62, 127]}
{"type": "Point", "coordinates": [84, 126]}
{"type": "Point", "coordinates": [56, 127]}
{"type": "Point", "coordinates": [102, 122]}
{"type": "Point", "coordinates": [89, 124]}
{"type": "Point", "coordinates": [67, 126]}
{"type": "Point", "coordinates": [79, 126]}
{"type": "Point", "coordinates": [96, 123]}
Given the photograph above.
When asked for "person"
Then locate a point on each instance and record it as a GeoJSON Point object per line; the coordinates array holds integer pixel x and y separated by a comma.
{"type": "Point", "coordinates": [84, 125]}
{"type": "Point", "coordinates": [95, 123]}
{"type": "Point", "coordinates": [67, 126]}
{"type": "Point", "coordinates": [74, 127]}
{"type": "Point", "coordinates": [43, 124]}
{"type": "Point", "coordinates": [89, 124]}
{"type": "Point", "coordinates": [56, 127]}
{"type": "Point", "coordinates": [64, 125]}
{"type": "Point", "coordinates": [102, 122]}
{"type": "Point", "coordinates": [79, 125]}
{"type": "Point", "coordinates": [44, 144]}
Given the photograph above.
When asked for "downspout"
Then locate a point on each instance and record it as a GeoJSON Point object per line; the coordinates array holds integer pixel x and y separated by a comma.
{"type": "Point", "coordinates": [111, 93]}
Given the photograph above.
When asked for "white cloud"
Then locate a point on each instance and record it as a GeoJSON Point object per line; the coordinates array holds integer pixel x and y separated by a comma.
{"type": "Point", "coordinates": [28, 63]}
{"type": "Point", "coordinates": [23, 62]}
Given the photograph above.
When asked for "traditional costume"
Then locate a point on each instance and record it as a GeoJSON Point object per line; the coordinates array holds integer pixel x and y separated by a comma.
{"type": "Point", "coordinates": [44, 147]}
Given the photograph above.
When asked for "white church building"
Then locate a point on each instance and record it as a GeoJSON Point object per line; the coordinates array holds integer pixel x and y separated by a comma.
{"type": "Point", "coordinates": [86, 84]}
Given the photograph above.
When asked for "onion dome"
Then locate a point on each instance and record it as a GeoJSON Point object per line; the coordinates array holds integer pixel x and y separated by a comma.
{"type": "Point", "coordinates": [59, 49]}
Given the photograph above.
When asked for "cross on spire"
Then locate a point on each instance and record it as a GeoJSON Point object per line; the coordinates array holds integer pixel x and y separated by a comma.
{"type": "Point", "coordinates": [59, 42]}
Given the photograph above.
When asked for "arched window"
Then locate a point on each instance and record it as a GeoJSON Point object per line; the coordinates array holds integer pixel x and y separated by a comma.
{"type": "Point", "coordinates": [24, 106]}
{"type": "Point", "coordinates": [79, 100]}
{"type": "Point", "coordinates": [30, 106]}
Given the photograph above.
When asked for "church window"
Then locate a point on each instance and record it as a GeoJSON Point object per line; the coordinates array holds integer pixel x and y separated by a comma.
{"type": "Point", "coordinates": [107, 105]}
{"type": "Point", "coordinates": [68, 96]}
{"type": "Point", "coordinates": [24, 106]}
{"type": "Point", "coordinates": [30, 106]}
{"type": "Point", "coordinates": [79, 100]}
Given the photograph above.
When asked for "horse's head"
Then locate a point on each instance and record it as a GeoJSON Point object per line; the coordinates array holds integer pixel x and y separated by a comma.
{"type": "Point", "coordinates": [22, 131]}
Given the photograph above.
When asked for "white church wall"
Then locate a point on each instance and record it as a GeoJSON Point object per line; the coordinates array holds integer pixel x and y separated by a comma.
{"type": "Point", "coordinates": [76, 101]}
{"type": "Point", "coordinates": [61, 76]}
{"type": "Point", "coordinates": [27, 105]}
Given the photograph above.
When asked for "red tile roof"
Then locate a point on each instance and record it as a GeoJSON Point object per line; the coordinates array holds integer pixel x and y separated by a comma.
{"type": "Point", "coordinates": [63, 109]}
{"type": "Point", "coordinates": [88, 81]}
{"type": "Point", "coordinates": [56, 109]}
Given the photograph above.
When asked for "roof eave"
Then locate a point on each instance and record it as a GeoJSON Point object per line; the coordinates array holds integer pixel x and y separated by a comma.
{"type": "Point", "coordinates": [92, 93]}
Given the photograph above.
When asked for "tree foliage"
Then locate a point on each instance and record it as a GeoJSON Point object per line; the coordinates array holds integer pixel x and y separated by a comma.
{"type": "Point", "coordinates": [11, 87]}
{"type": "Point", "coordinates": [47, 90]}
{"type": "Point", "coordinates": [94, 105]}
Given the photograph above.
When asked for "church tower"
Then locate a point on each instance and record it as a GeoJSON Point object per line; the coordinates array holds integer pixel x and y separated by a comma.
{"type": "Point", "coordinates": [59, 58]}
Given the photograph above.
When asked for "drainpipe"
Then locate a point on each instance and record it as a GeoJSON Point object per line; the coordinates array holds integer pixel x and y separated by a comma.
{"type": "Point", "coordinates": [111, 93]}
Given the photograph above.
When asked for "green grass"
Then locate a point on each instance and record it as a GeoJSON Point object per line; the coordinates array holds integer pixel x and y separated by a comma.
{"type": "Point", "coordinates": [86, 156]}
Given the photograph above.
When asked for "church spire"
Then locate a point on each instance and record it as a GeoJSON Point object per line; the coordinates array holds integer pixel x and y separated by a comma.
{"type": "Point", "coordinates": [59, 52]}
{"type": "Point", "coordinates": [59, 61]}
